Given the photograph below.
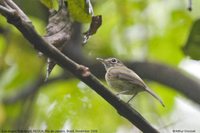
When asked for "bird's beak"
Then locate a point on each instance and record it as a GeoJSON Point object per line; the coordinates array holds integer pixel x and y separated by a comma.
{"type": "Point", "coordinates": [101, 60]}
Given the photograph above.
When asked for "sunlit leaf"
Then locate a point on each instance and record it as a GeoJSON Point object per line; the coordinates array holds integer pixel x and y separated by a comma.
{"type": "Point", "coordinates": [51, 4]}
{"type": "Point", "coordinates": [78, 11]}
{"type": "Point", "coordinates": [166, 42]}
{"type": "Point", "coordinates": [74, 103]}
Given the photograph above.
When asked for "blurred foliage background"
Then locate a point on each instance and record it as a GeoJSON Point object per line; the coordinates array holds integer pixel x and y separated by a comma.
{"type": "Point", "coordinates": [132, 30]}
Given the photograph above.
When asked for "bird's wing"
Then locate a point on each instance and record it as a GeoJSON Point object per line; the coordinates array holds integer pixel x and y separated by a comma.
{"type": "Point", "coordinates": [131, 77]}
{"type": "Point", "coordinates": [127, 75]}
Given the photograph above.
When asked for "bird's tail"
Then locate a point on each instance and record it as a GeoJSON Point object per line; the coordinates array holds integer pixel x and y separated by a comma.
{"type": "Point", "coordinates": [155, 96]}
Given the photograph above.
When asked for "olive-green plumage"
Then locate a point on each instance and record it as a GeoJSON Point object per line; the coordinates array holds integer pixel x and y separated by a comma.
{"type": "Point", "coordinates": [123, 80]}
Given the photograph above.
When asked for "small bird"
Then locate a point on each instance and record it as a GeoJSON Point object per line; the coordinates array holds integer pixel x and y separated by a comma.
{"type": "Point", "coordinates": [123, 80]}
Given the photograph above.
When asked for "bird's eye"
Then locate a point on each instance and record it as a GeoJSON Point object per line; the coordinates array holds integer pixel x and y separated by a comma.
{"type": "Point", "coordinates": [114, 60]}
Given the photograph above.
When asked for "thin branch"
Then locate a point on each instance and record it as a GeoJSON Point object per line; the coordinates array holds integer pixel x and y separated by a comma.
{"type": "Point", "coordinates": [6, 5]}
{"type": "Point", "coordinates": [32, 89]}
{"type": "Point", "coordinates": [24, 93]}
{"type": "Point", "coordinates": [79, 71]}
{"type": "Point", "coordinates": [190, 5]}
{"type": "Point", "coordinates": [15, 7]}
{"type": "Point", "coordinates": [61, 3]}
{"type": "Point", "coordinates": [6, 11]}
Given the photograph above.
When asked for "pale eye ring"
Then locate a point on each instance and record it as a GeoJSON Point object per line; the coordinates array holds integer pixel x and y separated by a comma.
{"type": "Point", "coordinates": [114, 60]}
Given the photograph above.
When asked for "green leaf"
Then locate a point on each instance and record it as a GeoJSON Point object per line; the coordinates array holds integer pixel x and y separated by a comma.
{"type": "Point", "coordinates": [78, 11]}
{"type": "Point", "coordinates": [51, 4]}
{"type": "Point", "coordinates": [74, 103]}
{"type": "Point", "coordinates": [166, 41]}
{"type": "Point", "coordinates": [192, 47]}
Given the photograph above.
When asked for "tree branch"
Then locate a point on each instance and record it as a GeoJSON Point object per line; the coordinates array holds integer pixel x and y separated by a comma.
{"type": "Point", "coordinates": [81, 72]}
{"type": "Point", "coordinates": [166, 75]}
{"type": "Point", "coordinates": [33, 88]}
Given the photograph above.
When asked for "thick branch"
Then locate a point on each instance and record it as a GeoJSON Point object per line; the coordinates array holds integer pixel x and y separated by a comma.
{"type": "Point", "coordinates": [166, 75]}
{"type": "Point", "coordinates": [79, 71]}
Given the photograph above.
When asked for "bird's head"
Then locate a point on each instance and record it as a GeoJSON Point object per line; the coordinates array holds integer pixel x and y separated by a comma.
{"type": "Point", "coordinates": [110, 62]}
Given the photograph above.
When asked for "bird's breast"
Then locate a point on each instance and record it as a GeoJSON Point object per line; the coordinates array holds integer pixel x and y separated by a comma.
{"type": "Point", "coordinates": [120, 85]}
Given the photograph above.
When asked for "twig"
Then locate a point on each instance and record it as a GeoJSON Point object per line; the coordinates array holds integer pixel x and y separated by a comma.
{"type": "Point", "coordinates": [90, 8]}
{"type": "Point", "coordinates": [31, 89]}
{"type": "Point", "coordinates": [26, 92]}
{"type": "Point", "coordinates": [15, 7]}
{"type": "Point", "coordinates": [5, 11]}
{"type": "Point", "coordinates": [79, 71]}
{"type": "Point", "coordinates": [190, 5]}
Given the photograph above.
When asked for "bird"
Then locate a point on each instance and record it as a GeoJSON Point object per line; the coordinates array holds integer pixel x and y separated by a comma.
{"type": "Point", "coordinates": [124, 80]}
